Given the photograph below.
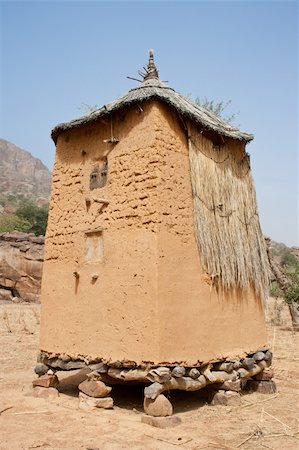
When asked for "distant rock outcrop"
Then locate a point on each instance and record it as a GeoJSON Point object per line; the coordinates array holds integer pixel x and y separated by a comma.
{"type": "Point", "coordinates": [21, 260]}
{"type": "Point", "coordinates": [295, 252]}
{"type": "Point", "coordinates": [21, 173]}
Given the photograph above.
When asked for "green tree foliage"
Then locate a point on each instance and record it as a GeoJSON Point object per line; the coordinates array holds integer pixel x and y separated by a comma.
{"type": "Point", "coordinates": [292, 273]}
{"type": "Point", "coordinates": [12, 222]}
{"type": "Point", "coordinates": [36, 216]}
{"type": "Point", "coordinates": [289, 267]}
{"type": "Point", "coordinates": [216, 108]}
{"type": "Point", "coordinates": [11, 199]}
{"type": "Point", "coordinates": [275, 290]}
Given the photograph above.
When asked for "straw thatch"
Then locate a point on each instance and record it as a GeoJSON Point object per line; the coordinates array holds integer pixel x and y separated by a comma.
{"type": "Point", "coordinates": [227, 228]}
{"type": "Point", "coordinates": [154, 89]}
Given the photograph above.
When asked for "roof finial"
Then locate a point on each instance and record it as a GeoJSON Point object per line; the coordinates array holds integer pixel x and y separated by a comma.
{"type": "Point", "coordinates": [151, 70]}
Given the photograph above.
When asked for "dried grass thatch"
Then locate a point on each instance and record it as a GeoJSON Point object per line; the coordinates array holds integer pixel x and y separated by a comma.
{"type": "Point", "coordinates": [154, 89]}
{"type": "Point", "coordinates": [227, 228]}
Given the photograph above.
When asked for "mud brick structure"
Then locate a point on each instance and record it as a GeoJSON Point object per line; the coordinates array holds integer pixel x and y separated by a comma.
{"type": "Point", "coordinates": [155, 265]}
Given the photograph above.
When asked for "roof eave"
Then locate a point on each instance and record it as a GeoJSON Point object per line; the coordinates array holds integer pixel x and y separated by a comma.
{"type": "Point", "coordinates": [118, 105]}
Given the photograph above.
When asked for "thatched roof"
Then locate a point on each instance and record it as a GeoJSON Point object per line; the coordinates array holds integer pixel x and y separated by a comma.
{"type": "Point", "coordinates": [153, 89]}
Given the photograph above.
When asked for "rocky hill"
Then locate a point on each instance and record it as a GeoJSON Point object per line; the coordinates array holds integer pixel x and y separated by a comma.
{"type": "Point", "coordinates": [21, 262]}
{"type": "Point", "coordinates": [22, 174]}
{"type": "Point", "coordinates": [22, 178]}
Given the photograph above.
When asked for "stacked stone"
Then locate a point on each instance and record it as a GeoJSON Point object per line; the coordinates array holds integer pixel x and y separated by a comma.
{"type": "Point", "coordinates": [47, 382]}
{"type": "Point", "coordinates": [94, 393]}
{"type": "Point", "coordinates": [225, 379]}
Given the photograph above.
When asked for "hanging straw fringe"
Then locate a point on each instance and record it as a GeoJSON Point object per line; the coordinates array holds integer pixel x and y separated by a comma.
{"type": "Point", "coordinates": [227, 228]}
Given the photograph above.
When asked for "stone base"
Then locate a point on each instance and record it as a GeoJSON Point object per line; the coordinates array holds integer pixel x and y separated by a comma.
{"type": "Point", "coordinates": [262, 387]}
{"type": "Point", "coordinates": [226, 398]}
{"type": "Point", "coordinates": [46, 381]}
{"type": "Point", "coordinates": [94, 388]}
{"type": "Point", "coordinates": [161, 422]}
{"type": "Point", "coordinates": [160, 407]}
{"type": "Point", "coordinates": [42, 392]}
{"type": "Point", "coordinates": [224, 378]}
{"type": "Point", "coordinates": [90, 403]}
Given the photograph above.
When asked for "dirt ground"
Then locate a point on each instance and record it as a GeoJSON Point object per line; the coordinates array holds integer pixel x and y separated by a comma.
{"type": "Point", "coordinates": [26, 422]}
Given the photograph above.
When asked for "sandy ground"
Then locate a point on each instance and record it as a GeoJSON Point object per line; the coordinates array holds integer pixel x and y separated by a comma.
{"type": "Point", "coordinates": [261, 422]}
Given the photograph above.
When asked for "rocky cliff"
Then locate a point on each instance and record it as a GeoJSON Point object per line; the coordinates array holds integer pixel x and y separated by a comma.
{"type": "Point", "coordinates": [21, 260]}
{"type": "Point", "coordinates": [21, 173]}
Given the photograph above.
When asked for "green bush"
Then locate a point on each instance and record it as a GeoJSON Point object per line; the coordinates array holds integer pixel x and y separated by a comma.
{"type": "Point", "coordinates": [275, 290]}
{"type": "Point", "coordinates": [36, 216]}
{"type": "Point", "coordinates": [292, 272]}
{"type": "Point", "coordinates": [11, 222]}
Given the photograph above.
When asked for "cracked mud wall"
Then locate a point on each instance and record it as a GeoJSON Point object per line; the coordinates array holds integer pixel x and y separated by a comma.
{"type": "Point", "coordinates": [114, 315]}
{"type": "Point", "coordinates": [146, 298]}
{"type": "Point", "coordinates": [196, 321]}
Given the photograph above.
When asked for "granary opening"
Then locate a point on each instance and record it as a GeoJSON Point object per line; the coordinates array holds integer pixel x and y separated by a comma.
{"type": "Point", "coordinates": [94, 247]}
{"type": "Point", "coordinates": [98, 175]}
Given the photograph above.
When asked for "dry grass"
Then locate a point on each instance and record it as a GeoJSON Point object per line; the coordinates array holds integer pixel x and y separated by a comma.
{"type": "Point", "coordinates": [229, 237]}
{"type": "Point", "coordinates": [17, 318]}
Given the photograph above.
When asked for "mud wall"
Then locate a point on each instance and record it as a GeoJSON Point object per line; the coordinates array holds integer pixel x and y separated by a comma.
{"type": "Point", "coordinates": [122, 280]}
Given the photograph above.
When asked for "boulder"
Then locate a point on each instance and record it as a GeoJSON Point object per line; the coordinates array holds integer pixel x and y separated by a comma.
{"type": "Point", "coordinates": [21, 261]}
{"type": "Point", "coordinates": [226, 398]}
{"type": "Point", "coordinates": [159, 407]}
{"type": "Point", "coordinates": [94, 388]}
{"type": "Point", "coordinates": [263, 387]}
{"type": "Point", "coordinates": [46, 381]}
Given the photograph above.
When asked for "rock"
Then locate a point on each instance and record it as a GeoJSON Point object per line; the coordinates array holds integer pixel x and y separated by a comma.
{"type": "Point", "coordinates": [268, 356]}
{"type": "Point", "coordinates": [58, 363]}
{"type": "Point", "coordinates": [159, 374]}
{"type": "Point", "coordinates": [94, 388]}
{"type": "Point", "coordinates": [161, 422]}
{"type": "Point", "coordinates": [225, 366]}
{"type": "Point", "coordinates": [90, 403]}
{"type": "Point", "coordinates": [230, 386]}
{"type": "Point", "coordinates": [41, 369]}
{"type": "Point", "coordinates": [194, 373]}
{"type": "Point", "coordinates": [6, 294]}
{"type": "Point", "coordinates": [21, 173]}
{"type": "Point", "coordinates": [64, 357]}
{"type": "Point", "coordinates": [226, 398]}
{"type": "Point", "coordinates": [20, 267]}
{"type": "Point", "coordinates": [46, 381]}
{"type": "Point", "coordinates": [99, 367]}
{"type": "Point", "coordinates": [43, 392]}
{"type": "Point", "coordinates": [237, 364]}
{"type": "Point", "coordinates": [248, 363]}
{"type": "Point", "coordinates": [262, 387]}
{"type": "Point", "coordinates": [259, 356]}
{"type": "Point", "coordinates": [160, 407]}
{"type": "Point", "coordinates": [178, 371]}
{"type": "Point", "coordinates": [266, 374]}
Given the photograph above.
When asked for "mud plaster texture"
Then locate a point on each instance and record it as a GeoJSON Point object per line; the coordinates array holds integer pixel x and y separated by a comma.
{"type": "Point", "coordinates": [139, 293]}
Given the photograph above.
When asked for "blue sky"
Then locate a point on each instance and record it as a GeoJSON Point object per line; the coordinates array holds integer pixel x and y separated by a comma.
{"type": "Point", "coordinates": [57, 55]}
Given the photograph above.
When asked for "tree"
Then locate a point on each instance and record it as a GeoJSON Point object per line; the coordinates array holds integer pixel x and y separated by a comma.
{"type": "Point", "coordinates": [36, 216]}
{"type": "Point", "coordinates": [285, 268]}
{"type": "Point", "coordinates": [11, 222]}
{"type": "Point", "coordinates": [216, 108]}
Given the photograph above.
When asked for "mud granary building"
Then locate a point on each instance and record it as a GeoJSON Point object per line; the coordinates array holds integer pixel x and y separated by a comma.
{"type": "Point", "coordinates": [154, 256]}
